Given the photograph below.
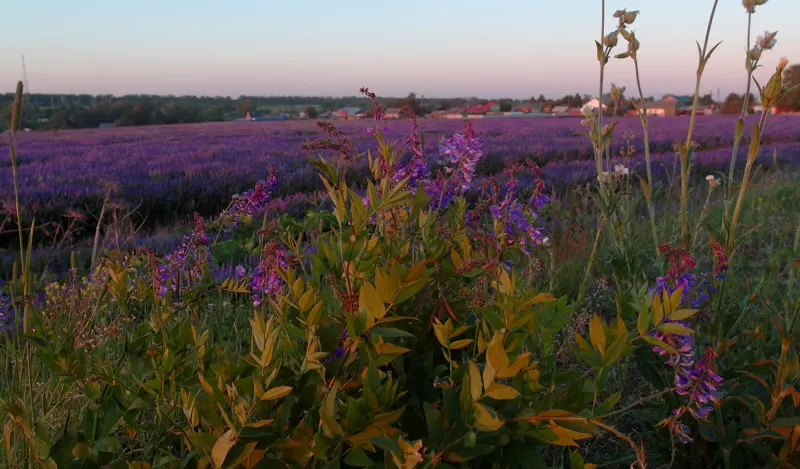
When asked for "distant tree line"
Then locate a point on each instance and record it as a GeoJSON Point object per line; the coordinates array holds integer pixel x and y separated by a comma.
{"type": "Point", "coordinates": [62, 111]}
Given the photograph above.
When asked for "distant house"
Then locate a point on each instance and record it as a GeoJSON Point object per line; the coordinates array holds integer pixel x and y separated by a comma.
{"type": "Point", "coordinates": [452, 113]}
{"type": "Point", "coordinates": [106, 125]}
{"type": "Point", "coordinates": [348, 113]}
{"type": "Point", "coordinates": [363, 114]}
{"type": "Point", "coordinates": [393, 113]}
{"type": "Point", "coordinates": [562, 111]}
{"type": "Point", "coordinates": [594, 103]}
{"type": "Point", "coordinates": [491, 106]}
{"type": "Point", "coordinates": [663, 108]}
{"type": "Point", "coordinates": [682, 100]}
{"type": "Point", "coordinates": [527, 108]}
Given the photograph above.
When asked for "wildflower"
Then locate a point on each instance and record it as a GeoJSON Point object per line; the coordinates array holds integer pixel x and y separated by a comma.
{"type": "Point", "coordinates": [516, 220]}
{"type": "Point", "coordinates": [700, 385]}
{"type": "Point", "coordinates": [463, 153]}
{"type": "Point", "coordinates": [239, 271]}
{"type": "Point", "coordinates": [750, 5]}
{"type": "Point", "coordinates": [712, 181]}
{"type": "Point", "coordinates": [620, 169]}
{"type": "Point", "coordinates": [185, 264]}
{"type": "Point", "coordinates": [782, 64]}
{"type": "Point", "coordinates": [417, 168]}
{"type": "Point", "coordinates": [754, 54]}
{"type": "Point", "coordinates": [378, 110]}
{"type": "Point", "coordinates": [630, 17]}
{"type": "Point", "coordinates": [267, 280]}
{"type": "Point", "coordinates": [249, 203]}
{"type": "Point", "coordinates": [767, 41]}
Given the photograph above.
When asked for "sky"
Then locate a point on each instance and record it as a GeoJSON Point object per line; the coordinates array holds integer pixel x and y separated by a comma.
{"type": "Point", "coordinates": [436, 48]}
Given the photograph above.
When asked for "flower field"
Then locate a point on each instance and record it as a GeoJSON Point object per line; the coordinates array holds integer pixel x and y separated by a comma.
{"type": "Point", "coordinates": [173, 171]}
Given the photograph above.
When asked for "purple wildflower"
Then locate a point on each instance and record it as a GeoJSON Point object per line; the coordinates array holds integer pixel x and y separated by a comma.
{"type": "Point", "coordinates": [267, 280]}
{"type": "Point", "coordinates": [700, 386]}
{"type": "Point", "coordinates": [239, 271]}
{"type": "Point", "coordinates": [184, 265]}
{"type": "Point", "coordinates": [378, 112]}
{"type": "Point", "coordinates": [517, 220]}
{"type": "Point", "coordinates": [247, 204]}
{"type": "Point", "coordinates": [463, 154]}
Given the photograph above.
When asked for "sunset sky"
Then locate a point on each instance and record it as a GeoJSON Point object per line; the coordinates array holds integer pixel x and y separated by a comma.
{"type": "Point", "coordinates": [505, 48]}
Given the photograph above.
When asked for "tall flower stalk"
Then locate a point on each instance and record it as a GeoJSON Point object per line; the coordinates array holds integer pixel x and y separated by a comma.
{"type": "Point", "coordinates": [685, 150]}
{"type": "Point", "coordinates": [751, 63]}
{"type": "Point", "coordinates": [627, 18]}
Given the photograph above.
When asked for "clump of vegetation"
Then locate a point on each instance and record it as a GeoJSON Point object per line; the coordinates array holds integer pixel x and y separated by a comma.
{"type": "Point", "coordinates": [412, 326]}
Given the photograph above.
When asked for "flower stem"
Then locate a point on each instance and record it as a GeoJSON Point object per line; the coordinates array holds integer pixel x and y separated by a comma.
{"type": "Point", "coordinates": [685, 162]}
{"type": "Point", "coordinates": [649, 194]}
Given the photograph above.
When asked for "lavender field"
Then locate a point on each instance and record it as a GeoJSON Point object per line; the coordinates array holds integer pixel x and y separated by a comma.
{"type": "Point", "coordinates": [172, 171]}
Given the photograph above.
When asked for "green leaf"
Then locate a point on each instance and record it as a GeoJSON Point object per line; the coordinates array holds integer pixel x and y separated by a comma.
{"type": "Point", "coordinates": [601, 54]}
{"type": "Point", "coordinates": [61, 451]}
{"type": "Point", "coordinates": [107, 444]}
{"type": "Point", "coordinates": [433, 419]}
{"type": "Point", "coordinates": [358, 458]}
{"type": "Point", "coordinates": [390, 332]}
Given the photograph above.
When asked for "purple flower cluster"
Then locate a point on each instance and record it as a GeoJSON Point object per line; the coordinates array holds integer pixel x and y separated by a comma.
{"type": "Point", "coordinates": [6, 310]}
{"type": "Point", "coordinates": [248, 204]}
{"type": "Point", "coordinates": [517, 222]}
{"type": "Point", "coordinates": [461, 152]}
{"type": "Point", "coordinates": [693, 379]}
{"type": "Point", "coordinates": [267, 278]}
{"type": "Point", "coordinates": [517, 219]}
{"type": "Point", "coordinates": [417, 168]}
{"type": "Point", "coordinates": [184, 265]}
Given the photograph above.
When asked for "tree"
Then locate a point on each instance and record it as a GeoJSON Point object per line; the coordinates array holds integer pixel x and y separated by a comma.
{"type": "Point", "coordinates": [541, 99]}
{"type": "Point", "coordinates": [734, 102]}
{"type": "Point", "coordinates": [791, 79]}
{"type": "Point", "coordinates": [312, 113]}
{"type": "Point", "coordinates": [244, 106]}
{"type": "Point", "coordinates": [505, 105]}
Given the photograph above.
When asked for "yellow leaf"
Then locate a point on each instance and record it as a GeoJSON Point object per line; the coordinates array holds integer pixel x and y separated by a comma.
{"type": "Point", "coordinates": [541, 298]}
{"type": "Point", "coordinates": [567, 437]}
{"type": "Point", "coordinates": [475, 387]}
{"type": "Point", "coordinates": [304, 303]}
{"type": "Point", "coordinates": [276, 393]}
{"type": "Point", "coordinates": [496, 353]}
{"type": "Point", "coordinates": [489, 374]}
{"type": "Point", "coordinates": [506, 284]}
{"type": "Point", "coordinates": [519, 364]}
{"type": "Point", "coordinates": [457, 261]}
{"type": "Point", "coordinates": [501, 392]}
{"type": "Point", "coordinates": [674, 328]}
{"type": "Point", "coordinates": [383, 286]}
{"type": "Point", "coordinates": [260, 423]}
{"type": "Point", "coordinates": [658, 310]}
{"type": "Point", "coordinates": [390, 349]}
{"type": "Point", "coordinates": [485, 420]}
{"type": "Point", "coordinates": [681, 314]}
{"type": "Point", "coordinates": [597, 334]}
{"type": "Point", "coordinates": [674, 300]}
{"type": "Point", "coordinates": [459, 344]}
{"type": "Point", "coordinates": [327, 414]}
{"type": "Point", "coordinates": [373, 304]}
{"type": "Point", "coordinates": [221, 447]}
{"type": "Point", "coordinates": [438, 329]}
